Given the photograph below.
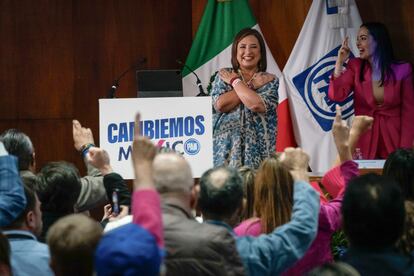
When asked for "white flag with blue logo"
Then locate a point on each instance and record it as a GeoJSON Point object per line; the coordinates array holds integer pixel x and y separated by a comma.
{"type": "Point", "coordinates": [307, 73]}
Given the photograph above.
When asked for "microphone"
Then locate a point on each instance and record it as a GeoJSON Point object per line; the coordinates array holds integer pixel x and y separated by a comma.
{"type": "Point", "coordinates": [115, 84]}
{"type": "Point", "coordinates": [198, 82]}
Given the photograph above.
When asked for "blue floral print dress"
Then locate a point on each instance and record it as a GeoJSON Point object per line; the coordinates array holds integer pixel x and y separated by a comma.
{"type": "Point", "coordinates": [242, 137]}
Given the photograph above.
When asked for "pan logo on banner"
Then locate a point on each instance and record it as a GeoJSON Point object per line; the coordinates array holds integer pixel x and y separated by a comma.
{"type": "Point", "coordinates": [176, 133]}
{"type": "Point", "coordinates": [313, 85]}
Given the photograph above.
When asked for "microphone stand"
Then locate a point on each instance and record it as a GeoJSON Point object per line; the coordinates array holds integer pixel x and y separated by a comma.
{"type": "Point", "coordinates": [198, 81]}
{"type": "Point", "coordinates": [115, 84]}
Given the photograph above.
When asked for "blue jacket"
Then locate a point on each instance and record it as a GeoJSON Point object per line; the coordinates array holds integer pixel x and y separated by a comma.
{"type": "Point", "coordinates": [28, 256]}
{"type": "Point", "coordinates": [271, 254]}
{"type": "Point", "coordinates": [12, 198]}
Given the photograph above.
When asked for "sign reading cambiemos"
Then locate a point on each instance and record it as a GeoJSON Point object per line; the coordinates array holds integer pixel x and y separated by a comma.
{"type": "Point", "coordinates": [182, 124]}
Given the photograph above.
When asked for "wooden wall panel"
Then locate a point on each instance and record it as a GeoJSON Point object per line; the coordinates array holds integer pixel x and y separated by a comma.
{"type": "Point", "coordinates": [58, 57]}
{"type": "Point", "coordinates": [41, 59]}
{"type": "Point", "coordinates": [281, 22]}
{"type": "Point", "coordinates": [398, 16]}
{"type": "Point", "coordinates": [8, 93]}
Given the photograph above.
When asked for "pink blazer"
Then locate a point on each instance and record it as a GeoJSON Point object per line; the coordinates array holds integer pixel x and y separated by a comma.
{"type": "Point", "coordinates": [393, 120]}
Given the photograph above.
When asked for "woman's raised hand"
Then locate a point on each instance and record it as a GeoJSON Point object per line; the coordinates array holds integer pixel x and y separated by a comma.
{"type": "Point", "coordinates": [343, 53]}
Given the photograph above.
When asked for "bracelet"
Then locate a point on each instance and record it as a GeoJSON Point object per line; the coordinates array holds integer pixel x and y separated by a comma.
{"type": "Point", "coordinates": [85, 149]}
{"type": "Point", "coordinates": [236, 81]}
{"type": "Point", "coordinates": [233, 79]}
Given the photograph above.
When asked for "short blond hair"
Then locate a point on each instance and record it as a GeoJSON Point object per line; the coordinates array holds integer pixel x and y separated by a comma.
{"type": "Point", "coordinates": [72, 241]}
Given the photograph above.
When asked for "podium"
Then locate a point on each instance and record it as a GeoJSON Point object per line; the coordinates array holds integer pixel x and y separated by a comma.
{"type": "Point", "coordinates": [364, 166]}
{"type": "Point", "coordinates": [182, 124]}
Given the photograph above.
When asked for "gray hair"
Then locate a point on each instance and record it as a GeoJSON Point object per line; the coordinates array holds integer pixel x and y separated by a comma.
{"type": "Point", "coordinates": [19, 144]}
{"type": "Point", "coordinates": [172, 173]}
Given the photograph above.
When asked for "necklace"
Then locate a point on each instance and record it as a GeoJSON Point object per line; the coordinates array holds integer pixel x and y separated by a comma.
{"type": "Point", "coordinates": [248, 82]}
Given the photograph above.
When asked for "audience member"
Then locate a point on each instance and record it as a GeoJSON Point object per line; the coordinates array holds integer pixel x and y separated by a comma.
{"type": "Point", "coordinates": [334, 269]}
{"type": "Point", "coordinates": [221, 196]}
{"type": "Point", "coordinates": [192, 248]}
{"type": "Point", "coordinates": [333, 181]}
{"type": "Point", "coordinates": [274, 199]}
{"type": "Point", "coordinates": [19, 144]}
{"type": "Point", "coordinates": [136, 249]}
{"type": "Point", "coordinates": [58, 189]}
{"type": "Point", "coordinates": [5, 266]}
{"type": "Point", "coordinates": [92, 191]}
{"type": "Point", "coordinates": [406, 242]}
{"type": "Point", "coordinates": [72, 241]}
{"type": "Point", "coordinates": [128, 250]}
{"type": "Point", "coordinates": [248, 175]}
{"type": "Point", "coordinates": [115, 186]}
{"type": "Point", "coordinates": [28, 255]}
{"type": "Point", "coordinates": [12, 198]}
{"type": "Point", "coordinates": [330, 213]}
{"type": "Point", "coordinates": [400, 167]}
{"type": "Point", "coordinates": [373, 217]}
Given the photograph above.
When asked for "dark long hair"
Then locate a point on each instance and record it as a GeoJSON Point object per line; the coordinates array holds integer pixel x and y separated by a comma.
{"type": "Point", "coordinates": [384, 51]}
{"type": "Point", "coordinates": [242, 34]}
{"type": "Point", "coordinates": [400, 166]}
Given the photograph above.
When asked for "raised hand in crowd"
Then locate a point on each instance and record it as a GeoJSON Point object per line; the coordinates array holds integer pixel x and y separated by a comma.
{"type": "Point", "coordinates": [143, 153]}
{"type": "Point", "coordinates": [297, 161]}
{"type": "Point", "coordinates": [82, 137]}
{"type": "Point", "coordinates": [360, 124]}
{"type": "Point", "coordinates": [340, 132]}
{"type": "Point", "coordinates": [99, 158]}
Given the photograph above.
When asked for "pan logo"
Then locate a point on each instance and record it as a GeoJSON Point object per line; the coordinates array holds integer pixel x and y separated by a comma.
{"type": "Point", "coordinates": [313, 84]}
{"type": "Point", "coordinates": [192, 146]}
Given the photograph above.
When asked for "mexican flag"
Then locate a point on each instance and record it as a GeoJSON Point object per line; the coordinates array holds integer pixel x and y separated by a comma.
{"type": "Point", "coordinates": [211, 50]}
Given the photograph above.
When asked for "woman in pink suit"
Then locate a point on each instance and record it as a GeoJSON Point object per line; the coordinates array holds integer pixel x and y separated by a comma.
{"type": "Point", "coordinates": [383, 89]}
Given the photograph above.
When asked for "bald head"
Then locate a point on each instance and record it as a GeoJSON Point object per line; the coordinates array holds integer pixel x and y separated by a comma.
{"type": "Point", "coordinates": [221, 192]}
{"type": "Point", "coordinates": [219, 177]}
{"type": "Point", "coordinates": [172, 173]}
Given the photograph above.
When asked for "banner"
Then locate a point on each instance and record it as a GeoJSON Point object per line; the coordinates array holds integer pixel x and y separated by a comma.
{"type": "Point", "coordinates": [307, 73]}
{"type": "Point", "coordinates": [181, 124]}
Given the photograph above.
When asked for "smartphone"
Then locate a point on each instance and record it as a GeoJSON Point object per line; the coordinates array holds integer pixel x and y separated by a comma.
{"type": "Point", "coordinates": [115, 203]}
